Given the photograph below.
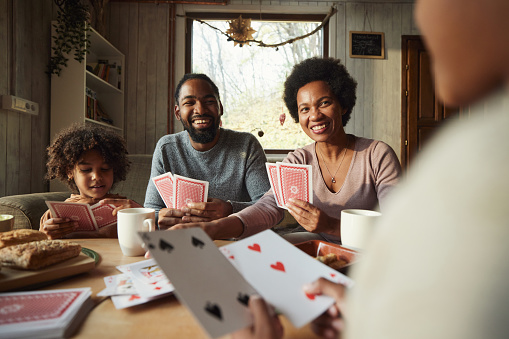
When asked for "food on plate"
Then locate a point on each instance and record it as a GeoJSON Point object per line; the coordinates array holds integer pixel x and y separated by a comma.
{"type": "Point", "coordinates": [20, 236]}
{"type": "Point", "coordinates": [38, 254]}
{"type": "Point", "coordinates": [332, 260]}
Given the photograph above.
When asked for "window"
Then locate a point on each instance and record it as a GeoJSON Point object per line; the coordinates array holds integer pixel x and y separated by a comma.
{"type": "Point", "coordinates": [250, 78]}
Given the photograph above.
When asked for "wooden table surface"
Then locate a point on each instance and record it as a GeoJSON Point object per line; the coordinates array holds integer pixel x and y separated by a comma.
{"type": "Point", "coordinates": [164, 317]}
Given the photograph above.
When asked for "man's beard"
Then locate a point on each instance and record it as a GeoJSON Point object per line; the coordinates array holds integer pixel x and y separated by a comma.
{"type": "Point", "coordinates": [202, 136]}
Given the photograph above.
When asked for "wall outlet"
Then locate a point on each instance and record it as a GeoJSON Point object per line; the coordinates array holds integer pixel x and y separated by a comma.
{"type": "Point", "coordinates": [18, 104]}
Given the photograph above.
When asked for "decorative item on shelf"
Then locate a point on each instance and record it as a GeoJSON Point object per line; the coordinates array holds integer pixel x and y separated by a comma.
{"type": "Point", "coordinates": [71, 34]}
{"type": "Point", "coordinates": [240, 31]}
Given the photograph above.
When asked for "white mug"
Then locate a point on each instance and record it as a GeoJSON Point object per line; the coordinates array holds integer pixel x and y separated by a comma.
{"type": "Point", "coordinates": [6, 222]}
{"type": "Point", "coordinates": [357, 226]}
{"type": "Point", "coordinates": [130, 221]}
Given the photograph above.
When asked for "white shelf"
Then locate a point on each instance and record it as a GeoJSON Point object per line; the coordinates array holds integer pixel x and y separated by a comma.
{"type": "Point", "coordinates": [68, 99]}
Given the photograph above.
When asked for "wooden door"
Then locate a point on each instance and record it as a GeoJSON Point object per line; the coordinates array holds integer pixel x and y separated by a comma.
{"type": "Point", "coordinates": [422, 112]}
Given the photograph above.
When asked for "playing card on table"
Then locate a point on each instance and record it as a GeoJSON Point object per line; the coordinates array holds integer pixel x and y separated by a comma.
{"type": "Point", "coordinates": [119, 284]}
{"type": "Point", "coordinates": [148, 279]}
{"type": "Point", "coordinates": [278, 270]}
{"type": "Point", "coordinates": [165, 187]}
{"type": "Point", "coordinates": [103, 215]}
{"type": "Point", "coordinates": [82, 213]}
{"type": "Point", "coordinates": [274, 182]}
{"type": "Point", "coordinates": [189, 190]}
{"type": "Point", "coordinates": [295, 181]}
{"type": "Point", "coordinates": [204, 280]}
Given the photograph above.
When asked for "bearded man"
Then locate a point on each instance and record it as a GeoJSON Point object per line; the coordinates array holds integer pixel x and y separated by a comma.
{"type": "Point", "coordinates": [232, 162]}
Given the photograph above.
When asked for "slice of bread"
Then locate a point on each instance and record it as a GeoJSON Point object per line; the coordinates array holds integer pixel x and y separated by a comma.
{"type": "Point", "coordinates": [38, 254]}
{"type": "Point", "coordinates": [20, 236]}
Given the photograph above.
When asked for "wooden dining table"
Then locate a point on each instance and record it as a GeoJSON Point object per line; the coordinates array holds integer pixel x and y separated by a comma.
{"type": "Point", "coordinates": [161, 318]}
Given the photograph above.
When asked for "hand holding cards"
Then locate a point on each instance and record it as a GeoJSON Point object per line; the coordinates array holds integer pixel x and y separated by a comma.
{"type": "Point", "coordinates": [290, 181]}
{"type": "Point", "coordinates": [176, 191]}
{"type": "Point", "coordinates": [216, 287]}
{"type": "Point", "coordinates": [89, 218]}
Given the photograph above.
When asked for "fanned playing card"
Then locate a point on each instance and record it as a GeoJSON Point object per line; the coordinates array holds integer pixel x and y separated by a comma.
{"type": "Point", "coordinates": [278, 270]}
{"type": "Point", "coordinates": [296, 182]}
{"type": "Point", "coordinates": [274, 182]}
{"type": "Point", "coordinates": [82, 213]}
{"type": "Point", "coordinates": [165, 187]}
{"type": "Point", "coordinates": [189, 190]}
{"type": "Point", "coordinates": [204, 280]}
{"type": "Point", "coordinates": [103, 215]}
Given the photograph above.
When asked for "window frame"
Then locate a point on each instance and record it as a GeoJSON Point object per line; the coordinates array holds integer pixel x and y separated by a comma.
{"type": "Point", "coordinates": [190, 16]}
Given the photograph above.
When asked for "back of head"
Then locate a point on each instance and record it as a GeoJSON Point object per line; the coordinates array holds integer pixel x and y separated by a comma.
{"type": "Point", "coordinates": [190, 76]}
{"type": "Point", "coordinates": [330, 70]}
{"type": "Point", "coordinates": [468, 41]}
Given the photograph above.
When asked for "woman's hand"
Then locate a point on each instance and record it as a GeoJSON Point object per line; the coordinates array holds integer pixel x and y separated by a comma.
{"type": "Point", "coordinates": [266, 324]}
{"type": "Point", "coordinates": [57, 228]}
{"type": "Point", "coordinates": [120, 204]}
{"type": "Point", "coordinates": [312, 218]}
{"type": "Point", "coordinates": [330, 324]}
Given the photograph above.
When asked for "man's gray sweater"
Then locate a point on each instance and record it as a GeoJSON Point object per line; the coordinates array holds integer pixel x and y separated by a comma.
{"type": "Point", "coordinates": [234, 167]}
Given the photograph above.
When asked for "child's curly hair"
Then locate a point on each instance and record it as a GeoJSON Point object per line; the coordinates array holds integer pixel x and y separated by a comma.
{"type": "Point", "coordinates": [72, 142]}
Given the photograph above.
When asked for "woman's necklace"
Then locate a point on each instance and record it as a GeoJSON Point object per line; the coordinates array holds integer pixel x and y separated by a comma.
{"type": "Point", "coordinates": [344, 153]}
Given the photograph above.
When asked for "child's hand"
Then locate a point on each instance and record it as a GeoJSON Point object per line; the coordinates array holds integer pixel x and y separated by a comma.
{"type": "Point", "coordinates": [56, 228]}
{"type": "Point", "coordinates": [120, 203]}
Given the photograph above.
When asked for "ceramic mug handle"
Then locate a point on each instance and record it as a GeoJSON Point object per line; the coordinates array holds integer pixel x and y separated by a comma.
{"type": "Point", "coordinates": [150, 226]}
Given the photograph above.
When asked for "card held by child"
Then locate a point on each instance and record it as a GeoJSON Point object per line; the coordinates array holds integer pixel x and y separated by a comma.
{"type": "Point", "coordinates": [79, 212]}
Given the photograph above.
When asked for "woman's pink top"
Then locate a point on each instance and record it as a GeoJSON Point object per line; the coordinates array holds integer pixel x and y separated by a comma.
{"type": "Point", "coordinates": [374, 171]}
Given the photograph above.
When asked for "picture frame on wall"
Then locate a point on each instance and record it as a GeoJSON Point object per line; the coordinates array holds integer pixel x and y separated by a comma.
{"type": "Point", "coordinates": [368, 45]}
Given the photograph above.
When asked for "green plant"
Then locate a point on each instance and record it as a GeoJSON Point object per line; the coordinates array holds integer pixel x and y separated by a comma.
{"type": "Point", "coordinates": [71, 34]}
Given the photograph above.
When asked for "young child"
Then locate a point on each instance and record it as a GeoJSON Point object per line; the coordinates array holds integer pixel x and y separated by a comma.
{"type": "Point", "coordinates": [90, 160]}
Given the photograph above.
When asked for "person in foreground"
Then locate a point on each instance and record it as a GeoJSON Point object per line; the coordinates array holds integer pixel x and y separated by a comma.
{"type": "Point", "coordinates": [232, 162]}
{"type": "Point", "coordinates": [437, 268]}
{"type": "Point", "coordinates": [90, 160]}
{"type": "Point", "coordinates": [348, 171]}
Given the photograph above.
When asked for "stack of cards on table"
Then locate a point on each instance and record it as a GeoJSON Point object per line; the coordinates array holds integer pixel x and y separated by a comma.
{"type": "Point", "coordinates": [215, 283]}
{"type": "Point", "coordinates": [176, 190]}
{"type": "Point", "coordinates": [290, 181]}
{"type": "Point", "coordinates": [89, 218]}
{"type": "Point", "coordinates": [139, 283]}
{"type": "Point", "coordinates": [43, 314]}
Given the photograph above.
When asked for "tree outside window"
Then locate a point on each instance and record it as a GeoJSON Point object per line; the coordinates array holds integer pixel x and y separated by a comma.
{"type": "Point", "coordinates": [250, 78]}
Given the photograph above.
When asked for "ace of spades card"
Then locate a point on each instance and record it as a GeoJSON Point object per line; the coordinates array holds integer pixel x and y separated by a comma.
{"type": "Point", "coordinates": [211, 288]}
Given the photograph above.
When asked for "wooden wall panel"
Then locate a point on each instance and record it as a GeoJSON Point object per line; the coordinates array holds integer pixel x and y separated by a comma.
{"type": "Point", "coordinates": [24, 42]}
{"type": "Point", "coordinates": [143, 38]}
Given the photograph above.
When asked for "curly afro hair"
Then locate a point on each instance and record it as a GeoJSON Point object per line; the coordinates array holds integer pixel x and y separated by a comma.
{"type": "Point", "coordinates": [329, 70]}
{"type": "Point", "coordinates": [72, 142]}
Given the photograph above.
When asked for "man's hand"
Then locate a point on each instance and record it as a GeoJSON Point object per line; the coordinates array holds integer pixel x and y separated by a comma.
{"type": "Point", "coordinates": [206, 211]}
{"type": "Point", "coordinates": [266, 324]}
{"type": "Point", "coordinates": [312, 218]}
{"type": "Point", "coordinates": [169, 217]}
{"type": "Point", "coordinates": [57, 228]}
{"type": "Point", "coordinates": [330, 324]}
